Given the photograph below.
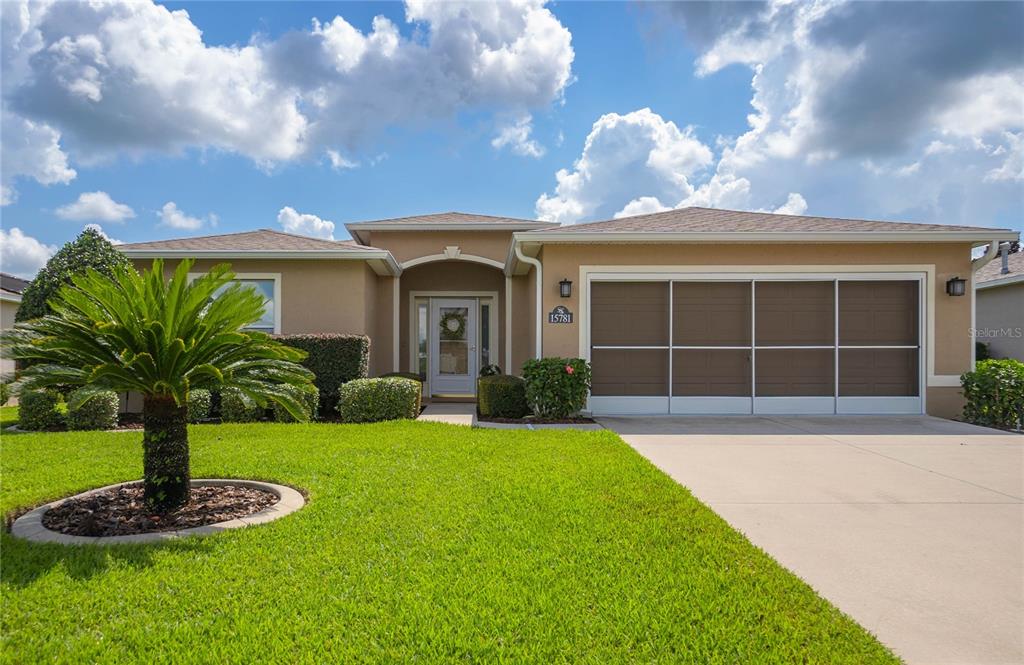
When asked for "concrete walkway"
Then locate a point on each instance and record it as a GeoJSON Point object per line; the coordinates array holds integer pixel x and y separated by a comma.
{"type": "Point", "coordinates": [453, 413]}
{"type": "Point", "coordinates": [914, 526]}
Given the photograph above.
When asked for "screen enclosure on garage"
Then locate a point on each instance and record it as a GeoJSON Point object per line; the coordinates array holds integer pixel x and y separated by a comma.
{"type": "Point", "coordinates": [769, 345]}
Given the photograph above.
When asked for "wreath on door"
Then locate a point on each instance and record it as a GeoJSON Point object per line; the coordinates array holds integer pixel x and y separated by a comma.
{"type": "Point", "coordinates": [453, 326]}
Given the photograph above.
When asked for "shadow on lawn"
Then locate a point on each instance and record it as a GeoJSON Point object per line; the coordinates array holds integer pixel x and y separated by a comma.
{"type": "Point", "coordinates": [22, 562]}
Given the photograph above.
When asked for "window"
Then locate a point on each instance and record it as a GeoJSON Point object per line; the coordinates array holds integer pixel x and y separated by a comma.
{"type": "Point", "coordinates": [266, 287]}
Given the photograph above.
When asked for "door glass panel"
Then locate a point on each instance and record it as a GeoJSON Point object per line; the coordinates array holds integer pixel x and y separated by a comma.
{"type": "Point", "coordinates": [629, 313]}
{"type": "Point", "coordinates": [878, 373]}
{"type": "Point", "coordinates": [711, 372]}
{"type": "Point", "coordinates": [421, 338]}
{"type": "Point", "coordinates": [795, 372]}
{"type": "Point", "coordinates": [878, 313]}
{"type": "Point", "coordinates": [794, 314]}
{"type": "Point", "coordinates": [453, 340]}
{"type": "Point", "coordinates": [485, 334]}
{"type": "Point", "coordinates": [711, 314]}
{"type": "Point", "coordinates": [635, 372]}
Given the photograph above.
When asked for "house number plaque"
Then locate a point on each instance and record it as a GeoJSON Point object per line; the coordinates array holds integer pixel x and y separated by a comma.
{"type": "Point", "coordinates": [560, 314]}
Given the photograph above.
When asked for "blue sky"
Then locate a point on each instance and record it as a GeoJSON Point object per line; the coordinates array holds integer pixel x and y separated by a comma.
{"type": "Point", "coordinates": [271, 120]}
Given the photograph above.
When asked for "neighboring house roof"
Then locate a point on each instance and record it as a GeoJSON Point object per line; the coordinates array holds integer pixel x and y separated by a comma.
{"type": "Point", "coordinates": [9, 296]}
{"type": "Point", "coordinates": [991, 274]}
{"type": "Point", "coordinates": [263, 243]}
{"type": "Point", "coordinates": [12, 284]}
{"type": "Point", "coordinates": [446, 221]}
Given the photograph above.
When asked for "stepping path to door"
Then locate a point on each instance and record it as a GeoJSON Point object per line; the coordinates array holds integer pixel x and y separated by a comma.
{"type": "Point", "coordinates": [453, 413]}
{"type": "Point", "coordinates": [914, 526]}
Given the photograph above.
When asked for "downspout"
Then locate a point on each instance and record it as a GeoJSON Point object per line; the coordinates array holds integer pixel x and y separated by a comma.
{"type": "Point", "coordinates": [990, 253]}
{"type": "Point", "coordinates": [540, 293]}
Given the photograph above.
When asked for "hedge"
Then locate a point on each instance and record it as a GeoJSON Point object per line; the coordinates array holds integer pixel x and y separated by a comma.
{"type": "Point", "coordinates": [237, 407]}
{"type": "Point", "coordinates": [38, 410]}
{"type": "Point", "coordinates": [501, 396]}
{"type": "Point", "coordinates": [373, 400]}
{"type": "Point", "coordinates": [199, 403]}
{"type": "Point", "coordinates": [5, 393]}
{"type": "Point", "coordinates": [98, 412]}
{"type": "Point", "coordinates": [310, 400]}
{"type": "Point", "coordinates": [556, 387]}
{"type": "Point", "coordinates": [334, 359]}
{"type": "Point", "coordinates": [995, 394]}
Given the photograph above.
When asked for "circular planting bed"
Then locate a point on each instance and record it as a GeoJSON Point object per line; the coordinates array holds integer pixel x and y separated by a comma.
{"type": "Point", "coordinates": [117, 513]}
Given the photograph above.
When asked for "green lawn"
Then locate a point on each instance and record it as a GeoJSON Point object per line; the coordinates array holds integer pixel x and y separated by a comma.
{"type": "Point", "coordinates": [8, 416]}
{"type": "Point", "coordinates": [421, 542]}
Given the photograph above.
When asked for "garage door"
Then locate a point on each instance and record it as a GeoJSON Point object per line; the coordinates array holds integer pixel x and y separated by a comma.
{"type": "Point", "coordinates": [735, 346]}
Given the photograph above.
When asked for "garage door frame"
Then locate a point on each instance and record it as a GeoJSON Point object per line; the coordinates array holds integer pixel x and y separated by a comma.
{"type": "Point", "coordinates": [836, 404]}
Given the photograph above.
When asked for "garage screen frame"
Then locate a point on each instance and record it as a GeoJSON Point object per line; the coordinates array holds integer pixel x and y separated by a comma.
{"type": "Point", "coordinates": [835, 404]}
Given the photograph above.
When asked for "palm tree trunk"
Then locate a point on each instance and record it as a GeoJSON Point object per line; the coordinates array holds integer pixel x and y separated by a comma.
{"type": "Point", "coordinates": [165, 453]}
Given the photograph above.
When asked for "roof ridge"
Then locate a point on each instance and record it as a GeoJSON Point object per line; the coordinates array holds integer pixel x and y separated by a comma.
{"type": "Point", "coordinates": [440, 214]}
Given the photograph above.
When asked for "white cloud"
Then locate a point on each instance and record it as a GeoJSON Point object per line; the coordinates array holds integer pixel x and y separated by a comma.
{"type": "Point", "coordinates": [99, 229]}
{"type": "Point", "coordinates": [794, 205]}
{"type": "Point", "coordinates": [516, 136]}
{"type": "Point", "coordinates": [644, 205]}
{"type": "Point", "coordinates": [132, 77]}
{"type": "Point", "coordinates": [639, 155]}
{"type": "Point", "coordinates": [95, 207]}
{"type": "Point", "coordinates": [339, 162]}
{"type": "Point", "coordinates": [305, 224]}
{"type": "Point", "coordinates": [1012, 168]}
{"type": "Point", "coordinates": [171, 216]}
{"type": "Point", "coordinates": [22, 255]}
{"type": "Point", "coordinates": [31, 150]}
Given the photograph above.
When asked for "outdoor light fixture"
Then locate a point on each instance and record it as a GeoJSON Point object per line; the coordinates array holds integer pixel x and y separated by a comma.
{"type": "Point", "coordinates": [956, 286]}
{"type": "Point", "coordinates": [565, 288]}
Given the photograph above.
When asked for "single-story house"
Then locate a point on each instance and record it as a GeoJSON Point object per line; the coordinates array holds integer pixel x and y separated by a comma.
{"type": "Point", "coordinates": [10, 299]}
{"type": "Point", "coordinates": [693, 310]}
{"type": "Point", "coordinates": [999, 292]}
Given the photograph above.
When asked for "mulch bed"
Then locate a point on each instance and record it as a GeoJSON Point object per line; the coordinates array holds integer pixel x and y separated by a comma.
{"type": "Point", "coordinates": [538, 421]}
{"type": "Point", "coordinates": [122, 512]}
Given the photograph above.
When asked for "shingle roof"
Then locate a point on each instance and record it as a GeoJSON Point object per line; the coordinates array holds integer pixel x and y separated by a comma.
{"type": "Point", "coordinates": [729, 221]}
{"type": "Point", "coordinates": [12, 284]}
{"type": "Point", "coordinates": [993, 269]}
{"type": "Point", "coordinates": [448, 218]}
{"type": "Point", "coordinates": [259, 240]}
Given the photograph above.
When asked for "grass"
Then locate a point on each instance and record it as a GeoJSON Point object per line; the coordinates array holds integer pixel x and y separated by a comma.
{"type": "Point", "coordinates": [8, 416]}
{"type": "Point", "coordinates": [421, 542]}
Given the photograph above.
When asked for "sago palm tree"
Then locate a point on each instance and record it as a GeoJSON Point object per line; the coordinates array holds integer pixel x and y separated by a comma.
{"type": "Point", "coordinates": [161, 338]}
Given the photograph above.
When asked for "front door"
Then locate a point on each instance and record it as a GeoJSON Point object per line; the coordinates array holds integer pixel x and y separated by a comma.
{"type": "Point", "coordinates": [453, 347]}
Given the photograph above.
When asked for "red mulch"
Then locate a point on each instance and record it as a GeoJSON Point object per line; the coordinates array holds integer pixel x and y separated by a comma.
{"type": "Point", "coordinates": [122, 512]}
{"type": "Point", "coordinates": [538, 421]}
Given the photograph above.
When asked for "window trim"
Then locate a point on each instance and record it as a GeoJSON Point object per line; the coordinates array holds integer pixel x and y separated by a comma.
{"type": "Point", "coordinates": [276, 276]}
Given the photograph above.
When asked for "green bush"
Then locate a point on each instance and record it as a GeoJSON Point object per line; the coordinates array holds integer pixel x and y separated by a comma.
{"type": "Point", "coordinates": [556, 387]}
{"type": "Point", "coordinates": [237, 407]}
{"type": "Point", "coordinates": [501, 396]}
{"type": "Point", "coordinates": [5, 393]}
{"type": "Point", "coordinates": [310, 400]}
{"type": "Point", "coordinates": [199, 403]}
{"type": "Point", "coordinates": [403, 375]}
{"type": "Point", "coordinates": [982, 351]}
{"type": "Point", "coordinates": [334, 359]}
{"type": "Point", "coordinates": [995, 393]}
{"type": "Point", "coordinates": [38, 410]}
{"type": "Point", "coordinates": [373, 400]}
{"type": "Point", "coordinates": [98, 412]}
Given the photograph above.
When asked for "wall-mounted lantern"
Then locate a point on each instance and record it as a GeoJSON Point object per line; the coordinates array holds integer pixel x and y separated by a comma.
{"type": "Point", "coordinates": [565, 288]}
{"type": "Point", "coordinates": [956, 286]}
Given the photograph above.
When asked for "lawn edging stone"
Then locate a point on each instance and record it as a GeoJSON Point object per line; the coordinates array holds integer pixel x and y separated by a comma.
{"type": "Point", "coordinates": [30, 525]}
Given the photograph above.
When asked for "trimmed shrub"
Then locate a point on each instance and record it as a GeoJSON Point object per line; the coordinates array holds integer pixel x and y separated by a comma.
{"type": "Point", "coordinates": [38, 410]}
{"type": "Point", "coordinates": [98, 412]}
{"type": "Point", "coordinates": [237, 407]}
{"type": "Point", "coordinates": [995, 394]}
{"type": "Point", "coordinates": [5, 393]}
{"type": "Point", "coordinates": [556, 387]}
{"type": "Point", "coordinates": [310, 399]}
{"type": "Point", "coordinates": [373, 400]}
{"type": "Point", "coordinates": [199, 403]}
{"type": "Point", "coordinates": [403, 375]}
{"type": "Point", "coordinates": [490, 370]}
{"type": "Point", "coordinates": [501, 396]}
{"type": "Point", "coordinates": [334, 359]}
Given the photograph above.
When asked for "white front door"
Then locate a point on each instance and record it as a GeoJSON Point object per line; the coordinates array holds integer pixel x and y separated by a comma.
{"type": "Point", "coordinates": [453, 356]}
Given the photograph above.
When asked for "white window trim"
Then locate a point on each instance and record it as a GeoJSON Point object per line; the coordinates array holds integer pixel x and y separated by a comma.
{"type": "Point", "coordinates": [923, 274]}
{"type": "Point", "coordinates": [276, 276]}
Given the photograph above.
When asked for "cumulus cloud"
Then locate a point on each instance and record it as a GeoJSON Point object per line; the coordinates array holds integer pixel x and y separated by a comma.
{"type": "Point", "coordinates": [515, 135]}
{"type": "Point", "coordinates": [132, 77]}
{"type": "Point", "coordinates": [22, 255]}
{"type": "Point", "coordinates": [95, 207]}
{"type": "Point", "coordinates": [305, 224]}
{"type": "Point", "coordinates": [170, 215]}
{"type": "Point", "coordinates": [99, 229]}
{"type": "Point", "coordinates": [639, 160]}
{"type": "Point", "coordinates": [31, 150]}
{"type": "Point", "coordinates": [339, 162]}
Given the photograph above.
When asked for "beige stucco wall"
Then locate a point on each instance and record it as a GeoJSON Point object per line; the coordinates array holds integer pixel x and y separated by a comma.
{"type": "Point", "coordinates": [406, 245]}
{"type": "Point", "coordinates": [999, 320]}
{"type": "Point", "coordinates": [952, 342]}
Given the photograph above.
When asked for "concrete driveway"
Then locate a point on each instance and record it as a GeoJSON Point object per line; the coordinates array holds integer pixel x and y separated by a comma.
{"type": "Point", "coordinates": [914, 526]}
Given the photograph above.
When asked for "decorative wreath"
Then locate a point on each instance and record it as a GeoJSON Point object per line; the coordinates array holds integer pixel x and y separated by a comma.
{"type": "Point", "coordinates": [453, 326]}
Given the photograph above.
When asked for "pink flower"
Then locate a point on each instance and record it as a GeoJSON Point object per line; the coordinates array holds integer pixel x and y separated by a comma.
{"type": "Point", "coordinates": [569, 369]}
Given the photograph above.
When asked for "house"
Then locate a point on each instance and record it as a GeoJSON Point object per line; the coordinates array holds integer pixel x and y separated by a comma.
{"type": "Point", "coordinates": [693, 310]}
{"type": "Point", "coordinates": [999, 294]}
{"type": "Point", "coordinates": [10, 299]}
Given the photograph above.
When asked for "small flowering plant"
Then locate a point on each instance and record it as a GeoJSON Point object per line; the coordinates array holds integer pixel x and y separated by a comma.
{"type": "Point", "coordinates": [557, 387]}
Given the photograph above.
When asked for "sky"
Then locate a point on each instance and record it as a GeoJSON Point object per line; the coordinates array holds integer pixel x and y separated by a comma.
{"type": "Point", "coordinates": [166, 120]}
